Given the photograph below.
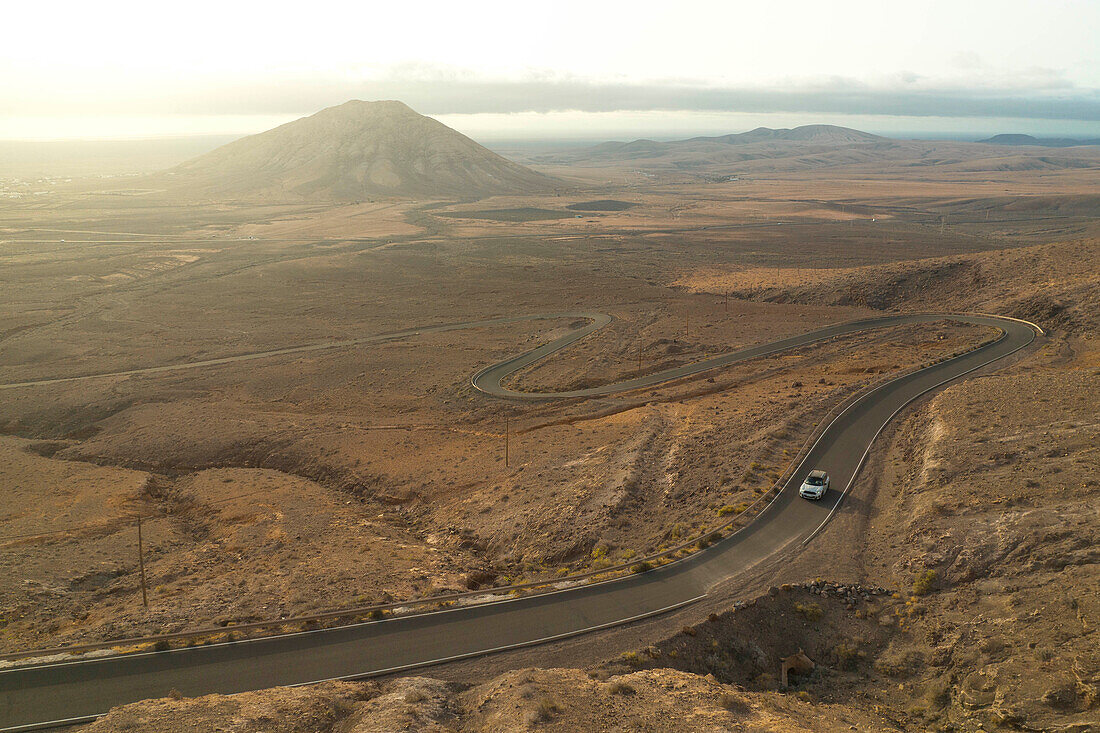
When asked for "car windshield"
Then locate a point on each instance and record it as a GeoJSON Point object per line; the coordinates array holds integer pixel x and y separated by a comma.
{"type": "Point", "coordinates": [814, 481]}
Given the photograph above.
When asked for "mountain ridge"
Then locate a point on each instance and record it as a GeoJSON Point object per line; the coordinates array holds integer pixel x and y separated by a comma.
{"type": "Point", "coordinates": [358, 150]}
{"type": "Point", "coordinates": [816, 134]}
{"type": "Point", "coordinates": [1050, 142]}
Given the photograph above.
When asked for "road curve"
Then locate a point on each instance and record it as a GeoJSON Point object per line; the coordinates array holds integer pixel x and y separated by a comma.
{"type": "Point", "coordinates": [489, 379]}
{"type": "Point", "coordinates": [51, 694]}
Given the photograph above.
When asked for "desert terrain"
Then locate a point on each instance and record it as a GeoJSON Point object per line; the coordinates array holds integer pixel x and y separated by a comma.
{"type": "Point", "coordinates": [342, 477]}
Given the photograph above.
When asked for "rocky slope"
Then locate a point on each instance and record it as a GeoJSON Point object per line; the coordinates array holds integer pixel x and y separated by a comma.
{"type": "Point", "coordinates": [1049, 284]}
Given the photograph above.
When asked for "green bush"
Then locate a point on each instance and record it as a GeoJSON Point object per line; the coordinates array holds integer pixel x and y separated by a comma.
{"type": "Point", "coordinates": [922, 585]}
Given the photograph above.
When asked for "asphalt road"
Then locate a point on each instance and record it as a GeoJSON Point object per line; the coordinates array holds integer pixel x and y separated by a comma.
{"type": "Point", "coordinates": [40, 696]}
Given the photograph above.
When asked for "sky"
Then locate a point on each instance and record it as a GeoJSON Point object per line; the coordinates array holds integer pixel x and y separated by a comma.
{"type": "Point", "coordinates": [514, 70]}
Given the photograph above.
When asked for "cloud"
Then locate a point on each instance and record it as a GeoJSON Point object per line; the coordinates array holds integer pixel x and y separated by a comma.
{"type": "Point", "coordinates": [976, 92]}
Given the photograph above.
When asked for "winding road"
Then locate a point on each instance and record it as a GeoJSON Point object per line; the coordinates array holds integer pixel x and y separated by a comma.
{"type": "Point", "coordinates": [48, 695]}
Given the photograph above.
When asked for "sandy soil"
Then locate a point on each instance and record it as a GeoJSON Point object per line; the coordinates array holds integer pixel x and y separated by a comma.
{"type": "Point", "coordinates": [271, 480]}
{"type": "Point", "coordinates": [534, 699]}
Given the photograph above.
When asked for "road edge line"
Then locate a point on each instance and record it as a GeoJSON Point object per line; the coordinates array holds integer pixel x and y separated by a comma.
{"type": "Point", "coordinates": [405, 667]}
{"type": "Point", "coordinates": [890, 419]}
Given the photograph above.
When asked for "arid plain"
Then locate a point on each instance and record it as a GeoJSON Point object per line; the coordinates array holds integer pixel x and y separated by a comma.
{"type": "Point", "coordinates": [319, 480]}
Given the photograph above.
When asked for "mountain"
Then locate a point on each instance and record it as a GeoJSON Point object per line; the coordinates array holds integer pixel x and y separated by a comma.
{"type": "Point", "coordinates": [810, 134]}
{"type": "Point", "coordinates": [820, 134]}
{"type": "Point", "coordinates": [358, 150]}
{"type": "Point", "coordinates": [767, 151]}
{"type": "Point", "coordinates": [1048, 142]}
{"type": "Point", "coordinates": [759, 143]}
{"type": "Point", "coordinates": [800, 148]}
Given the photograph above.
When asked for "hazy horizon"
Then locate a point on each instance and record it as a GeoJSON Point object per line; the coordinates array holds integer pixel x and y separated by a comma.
{"type": "Point", "coordinates": [594, 127]}
{"type": "Point", "coordinates": [132, 71]}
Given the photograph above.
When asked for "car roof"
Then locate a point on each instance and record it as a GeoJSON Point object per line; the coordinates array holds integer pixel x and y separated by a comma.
{"type": "Point", "coordinates": [818, 473]}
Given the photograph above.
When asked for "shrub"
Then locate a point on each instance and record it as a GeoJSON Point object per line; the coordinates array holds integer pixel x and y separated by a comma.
{"type": "Point", "coordinates": [600, 551]}
{"type": "Point", "coordinates": [846, 655]}
{"type": "Point", "coordinates": [688, 631]}
{"type": "Point", "coordinates": [620, 688]}
{"type": "Point", "coordinates": [544, 710]}
{"type": "Point", "coordinates": [641, 567]}
{"type": "Point", "coordinates": [161, 646]}
{"type": "Point", "coordinates": [811, 611]}
{"type": "Point", "coordinates": [727, 509]}
{"type": "Point", "coordinates": [175, 694]}
{"type": "Point", "coordinates": [922, 585]}
{"type": "Point", "coordinates": [631, 658]}
{"type": "Point", "coordinates": [733, 703]}
{"type": "Point", "coordinates": [546, 707]}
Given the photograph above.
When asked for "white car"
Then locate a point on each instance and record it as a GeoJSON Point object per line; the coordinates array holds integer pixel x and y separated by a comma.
{"type": "Point", "coordinates": [815, 485]}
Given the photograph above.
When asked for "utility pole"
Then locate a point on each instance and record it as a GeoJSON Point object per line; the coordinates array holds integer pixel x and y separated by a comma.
{"type": "Point", "coordinates": [141, 565]}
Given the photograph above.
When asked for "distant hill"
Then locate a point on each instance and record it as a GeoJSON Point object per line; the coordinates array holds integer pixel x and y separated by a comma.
{"type": "Point", "coordinates": [767, 151]}
{"type": "Point", "coordinates": [804, 147]}
{"type": "Point", "coordinates": [1048, 142]}
{"type": "Point", "coordinates": [357, 150]}
{"type": "Point", "coordinates": [821, 134]}
{"type": "Point", "coordinates": [811, 134]}
{"type": "Point", "coordinates": [800, 148]}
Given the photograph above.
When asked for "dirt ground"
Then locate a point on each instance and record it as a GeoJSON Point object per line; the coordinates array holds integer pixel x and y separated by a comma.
{"type": "Point", "coordinates": [531, 699]}
{"type": "Point", "coordinates": [268, 481]}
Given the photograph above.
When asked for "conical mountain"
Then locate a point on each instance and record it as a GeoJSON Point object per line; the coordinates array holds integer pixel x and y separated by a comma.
{"type": "Point", "coordinates": [354, 151]}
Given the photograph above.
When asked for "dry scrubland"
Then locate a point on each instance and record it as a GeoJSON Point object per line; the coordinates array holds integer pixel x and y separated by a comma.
{"type": "Point", "coordinates": [308, 481]}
